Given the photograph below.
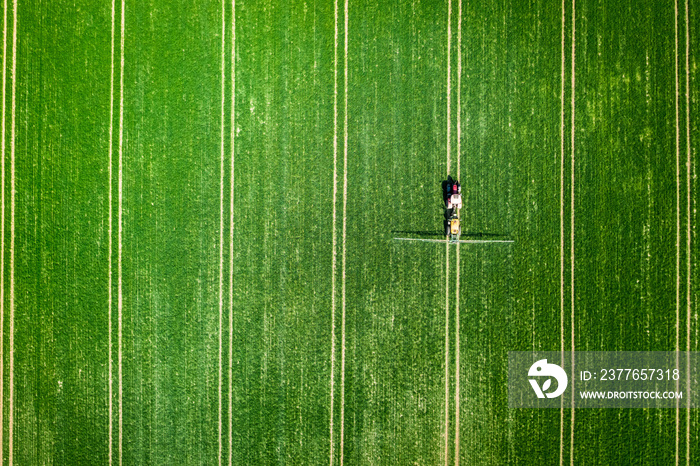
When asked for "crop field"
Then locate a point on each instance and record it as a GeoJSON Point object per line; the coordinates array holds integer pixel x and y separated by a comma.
{"type": "Point", "coordinates": [200, 202]}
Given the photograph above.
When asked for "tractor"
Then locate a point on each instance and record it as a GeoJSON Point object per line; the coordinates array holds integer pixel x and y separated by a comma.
{"type": "Point", "coordinates": [453, 203]}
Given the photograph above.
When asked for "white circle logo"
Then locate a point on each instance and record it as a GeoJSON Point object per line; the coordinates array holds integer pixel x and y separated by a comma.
{"type": "Point", "coordinates": [542, 369]}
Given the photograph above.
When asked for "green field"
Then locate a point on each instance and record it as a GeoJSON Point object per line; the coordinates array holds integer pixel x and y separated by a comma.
{"type": "Point", "coordinates": [199, 206]}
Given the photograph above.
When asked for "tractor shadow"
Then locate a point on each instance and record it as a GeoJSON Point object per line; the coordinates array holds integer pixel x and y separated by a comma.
{"type": "Point", "coordinates": [421, 233]}
{"type": "Point", "coordinates": [446, 187]}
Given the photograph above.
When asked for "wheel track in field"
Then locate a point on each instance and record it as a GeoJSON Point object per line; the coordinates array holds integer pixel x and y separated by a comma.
{"type": "Point", "coordinates": [561, 224]}
{"type": "Point", "coordinates": [12, 236]}
{"type": "Point", "coordinates": [573, 217]}
{"type": "Point", "coordinates": [688, 244]}
{"type": "Point", "coordinates": [335, 235]}
{"type": "Point", "coordinates": [110, 229]}
{"type": "Point", "coordinates": [678, 224]}
{"type": "Point", "coordinates": [345, 209]}
{"type": "Point", "coordinates": [120, 297]}
{"type": "Point", "coordinates": [447, 350]}
{"type": "Point", "coordinates": [2, 236]}
{"type": "Point", "coordinates": [231, 226]}
{"type": "Point", "coordinates": [221, 222]}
